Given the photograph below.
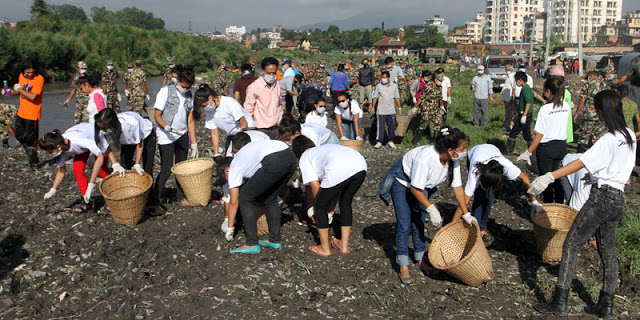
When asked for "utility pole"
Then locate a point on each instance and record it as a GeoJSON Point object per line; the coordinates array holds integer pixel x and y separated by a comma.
{"type": "Point", "coordinates": [546, 51]}
{"type": "Point", "coordinates": [580, 66]}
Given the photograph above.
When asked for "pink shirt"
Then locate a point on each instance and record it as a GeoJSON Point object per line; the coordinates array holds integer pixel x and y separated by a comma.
{"type": "Point", "coordinates": [263, 103]}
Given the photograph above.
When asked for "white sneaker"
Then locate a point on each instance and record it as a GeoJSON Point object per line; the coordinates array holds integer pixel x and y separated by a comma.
{"type": "Point", "coordinates": [392, 145]}
{"type": "Point", "coordinates": [378, 145]}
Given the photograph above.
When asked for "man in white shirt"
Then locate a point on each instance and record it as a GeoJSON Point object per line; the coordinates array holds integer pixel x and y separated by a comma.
{"type": "Point", "coordinates": [445, 84]}
{"type": "Point", "coordinates": [507, 96]}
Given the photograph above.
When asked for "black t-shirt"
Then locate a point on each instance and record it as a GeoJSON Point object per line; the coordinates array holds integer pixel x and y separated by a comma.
{"type": "Point", "coordinates": [366, 76]}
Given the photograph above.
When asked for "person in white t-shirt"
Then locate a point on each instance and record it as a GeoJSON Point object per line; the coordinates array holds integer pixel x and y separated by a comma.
{"type": "Point", "coordinates": [332, 172]}
{"type": "Point", "coordinates": [417, 174]}
{"type": "Point", "coordinates": [78, 142]}
{"type": "Point", "coordinates": [348, 117]}
{"type": "Point", "coordinates": [289, 128]}
{"type": "Point", "coordinates": [488, 169]}
{"type": "Point", "coordinates": [578, 185]}
{"type": "Point", "coordinates": [175, 115]}
{"type": "Point", "coordinates": [319, 114]}
{"type": "Point", "coordinates": [550, 142]}
{"type": "Point", "coordinates": [610, 163]}
{"type": "Point", "coordinates": [446, 93]}
{"type": "Point", "coordinates": [222, 112]}
{"type": "Point", "coordinates": [262, 169]}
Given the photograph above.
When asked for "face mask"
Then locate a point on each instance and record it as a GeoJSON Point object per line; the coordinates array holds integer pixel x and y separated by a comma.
{"type": "Point", "coordinates": [384, 80]}
{"type": "Point", "coordinates": [130, 70]}
{"type": "Point", "coordinates": [438, 83]}
{"type": "Point", "coordinates": [210, 107]}
{"type": "Point", "coordinates": [58, 153]}
{"type": "Point", "coordinates": [246, 72]}
{"type": "Point", "coordinates": [321, 110]}
{"type": "Point", "coordinates": [343, 104]}
{"type": "Point", "coordinates": [174, 80]}
{"type": "Point", "coordinates": [461, 155]}
{"type": "Point", "coordinates": [83, 71]}
{"type": "Point", "coordinates": [322, 66]}
{"type": "Point", "coordinates": [269, 79]}
{"type": "Point", "coordinates": [109, 67]}
{"type": "Point", "coordinates": [172, 65]}
{"type": "Point", "coordinates": [285, 67]}
{"type": "Point", "coordinates": [181, 89]}
{"type": "Point", "coordinates": [346, 67]}
{"type": "Point", "coordinates": [480, 71]}
{"type": "Point", "coordinates": [612, 77]}
{"type": "Point", "coordinates": [518, 84]}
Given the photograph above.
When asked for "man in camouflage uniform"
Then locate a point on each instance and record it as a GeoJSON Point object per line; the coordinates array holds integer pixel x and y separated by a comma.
{"type": "Point", "coordinates": [430, 112]}
{"type": "Point", "coordinates": [7, 113]}
{"type": "Point", "coordinates": [82, 99]}
{"type": "Point", "coordinates": [138, 90]}
{"type": "Point", "coordinates": [109, 87]}
{"type": "Point", "coordinates": [167, 73]}
{"type": "Point", "coordinates": [320, 74]}
{"type": "Point", "coordinates": [352, 73]}
{"type": "Point", "coordinates": [222, 82]}
{"type": "Point", "coordinates": [126, 80]}
{"type": "Point", "coordinates": [590, 129]}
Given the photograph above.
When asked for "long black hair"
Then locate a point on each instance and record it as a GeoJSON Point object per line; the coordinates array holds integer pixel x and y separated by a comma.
{"type": "Point", "coordinates": [202, 94]}
{"type": "Point", "coordinates": [52, 140]}
{"type": "Point", "coordinates": [608, 106]}
{"type": "Point", "coordinates": [555, 86]}
{"type": "Point", "coordinates": [105, 120]}
{"type": "Point", "coordinates": [92, 78]}
{"type": "Point", "coordinates": [449, 138]}
{"type": "Point", "coordinates": [491, 176]}
{"type": "Point", "coordinates": [288, 125]}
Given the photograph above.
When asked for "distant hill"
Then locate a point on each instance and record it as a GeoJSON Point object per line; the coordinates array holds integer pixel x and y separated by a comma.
{"type": "Point", "coordinates": [393, 18]}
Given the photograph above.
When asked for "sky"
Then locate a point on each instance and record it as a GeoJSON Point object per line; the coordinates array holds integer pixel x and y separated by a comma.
{"type": "Point", "coordinates": [211, 15]}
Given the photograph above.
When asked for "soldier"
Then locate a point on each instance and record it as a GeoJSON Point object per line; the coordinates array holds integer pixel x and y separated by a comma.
{"type": "Point", "coordinates": [167, 73]}
{"type": "Point", "coordinates": [109, 87]}
{"type": "Point", "coordinates": [139, 91]}
{"type": "Point", "coordinates": [320, 74]}
{"type": "Point", "coordinates": [354, 88]}
{"type": "Point", "coordinates": [609, 76]}
{"type": "Point", "coordinates": [429, 110]}
{"type": "Point", "coordinates": [590, 129]}
{"type": "Point", "coordinates": [82, 99]}
{"type": "Point", "coordinates": [7, 113]}
{"type": "Point", "coordinates": [127, 84]}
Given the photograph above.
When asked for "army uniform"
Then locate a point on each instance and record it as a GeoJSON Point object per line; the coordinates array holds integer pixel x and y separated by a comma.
{"type": "Point", "coordinates": [7, 113]}
{"type": "Point", "coordinates": [136, 91]}
{"type": "Point", "coordinates": [222, 82]}
{"type": "Point", "coordinates": [430, 111]}
{"type": "Point", "coordinates": [109, 78]}
{"type": "Point", "coordinates": [82, 100]}
{"type": "Point", "coordinates": [354, 88]}
{"type": "Point", "coordinates": [167, 73]}
{"type": "Point", "coordinates": [590, 129]}
{"type": "Point", "coordinates": [127, 84]}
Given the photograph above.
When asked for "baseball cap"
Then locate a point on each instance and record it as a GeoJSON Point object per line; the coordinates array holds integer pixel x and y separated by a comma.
{"type": "Point", "coordinates": [287, 62]}
{"type": "Point", "coordinates": [481, 68]}
{"type": "Point", "coordinates": [109, 62]}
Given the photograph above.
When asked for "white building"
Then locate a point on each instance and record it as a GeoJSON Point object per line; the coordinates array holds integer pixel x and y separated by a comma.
{"type": "Point", "coordinates": [274, 38]}
{"type": "Point", "coordinates": [595, 14]}
{"type": "Point", "coordinates": [439, 23]}
{"type": "Point", "coordinates": [474, 28]}
{"type": "Point", "coordinates": [505, 19]}
{"type": "Point", "coordinates": [235, 30]}
{"type": "Point", "coordinates": [535, 27]}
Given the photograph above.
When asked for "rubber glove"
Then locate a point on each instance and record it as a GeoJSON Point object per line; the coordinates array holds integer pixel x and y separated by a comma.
{"type": "Point", "coordinates": [193, 151]}
{"type": "Point", "coordinates": [167, 128]}
{"type": "Point", "coordinates": [229, 234]}
{"type": "Point", "coordinates": [119, 96]}
{"type": "Point", "coordinates": [523, 119]}
{"type": "Point", "coordinates": [434, 216]}
{"type": "Point", "coordinates": [126, 92]}
{"type": "Point", "coordinates": [138, 169]}
{"type": "Point", "coordinates": [536, 206]}
{"type": "Point", "coordinates": [310, 212]}
{"type": "Point", "coordinates": [415, 100]}
{"type": "Point", "coordinates": [225, 225]}
{"type": "Point", "coordinates": [87, 194]}
{"type": "Point", "coordinates": [525, 156]}
{"type": "Point", "coordinates": [541, 183]}
{"type": "Point", "coordinates": [343, 138]}
{"type": "Point", "coordinates": [16, 87]}
{"type": "Point", "coordinates": [358, 138]}
{"type": "Point", "coordinates": [117, 168]}
{"type": "Point", "coordinates": [50, 193]}
{"type": "Point", "coordinates": [148, 98]}
{"type": "Point", "coordinates": [331, 217]}
{"type": "Point", "coordinates": [469, 219]}
{"type": "Point", "coordinates": [449, 100]}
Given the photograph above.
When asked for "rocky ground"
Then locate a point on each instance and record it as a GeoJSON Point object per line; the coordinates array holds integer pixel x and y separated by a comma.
{"type": "Point", "coordinates": [56, 264]}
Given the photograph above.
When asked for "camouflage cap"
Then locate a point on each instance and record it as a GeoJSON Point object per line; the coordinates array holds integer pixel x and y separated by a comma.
{"type": "Point", "coordinates": [109, 62]}
{"type": "Point", "coordinates": [608, 69]}
{"type": "Point", "coordinates": [348, 61]}
{"type": "Point", "coordinates": [130, 65]}
{"type": "Point", "coordinates": [172, 60]}
{"type": "Point", "coordinates": [138, 61]}
{"type": "Point", "coordinates": [82, 65]}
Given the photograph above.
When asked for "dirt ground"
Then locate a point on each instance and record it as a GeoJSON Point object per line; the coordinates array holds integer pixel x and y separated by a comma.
{"type": "Point", "coordinates": [56, 264]}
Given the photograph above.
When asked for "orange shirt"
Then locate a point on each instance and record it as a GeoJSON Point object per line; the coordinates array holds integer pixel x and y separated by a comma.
{"type": "Point", "coordinates": [30, 110]}
{"type": "Point", "coordinates": [278, 75]}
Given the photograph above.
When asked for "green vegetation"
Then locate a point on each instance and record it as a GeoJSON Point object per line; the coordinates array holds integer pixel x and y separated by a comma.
{"type": "Point", "coordinates": [628, 243]}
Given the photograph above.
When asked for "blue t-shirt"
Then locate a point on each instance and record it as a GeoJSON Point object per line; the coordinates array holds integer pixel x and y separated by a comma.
{"type": "Point", "coordinates": [339, 81]}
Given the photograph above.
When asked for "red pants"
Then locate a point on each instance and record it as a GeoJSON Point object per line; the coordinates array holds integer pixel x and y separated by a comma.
{"type": "Point", "coordinates": [79, 163]}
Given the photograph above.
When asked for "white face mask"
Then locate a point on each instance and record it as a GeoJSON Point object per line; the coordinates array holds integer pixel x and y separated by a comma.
{"type": "Point", "coordinates": [269, 79]}
{"type": "Point", "coordinates": [58, 153]}
{"type": "Point", "coordinates": [109, 67]}
{"type": "Point", "coordinates": [130, 70]}
{"type": "Point", "coordinates": [346, 67]}
{"type": "Point", "coordinates": [246, 72]}
{"type": "Point", "coordinates": [181, 89]}
{"type": "Point", "coordinates": [438, 83]}
{"type": "Point", "coordinates": [384, 80]}
{"type": "Point", "coordinates": [174, 80]}
{"type": "Point", "coordinates": [461, 155]}
{"type": "Point", "coordinates": [321, 110]}
{"type": "Point", "coordinates": [612, 77]}
{"type": "Point", "coordinates": [83, 71]}
{"type": "Point", "coordinates": [480, 71]}
{"type": "Point", "coordinates": [343, 104]}
{"type": "Point", "coordinates": [322, 66]}
{"type": "Point", "coordinates": [518, 84]}
{"type": "Point", "coordinates": [210, 106]}
{"type": "Point", "coordinates": [172, 65]}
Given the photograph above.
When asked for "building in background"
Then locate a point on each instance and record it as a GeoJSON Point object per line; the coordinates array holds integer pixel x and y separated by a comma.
{"type": "Point", "coordinates": [470, 33]}
{"type": "Point", "coordinates": [235, 30]}
{"type": "Point", "coordinates": [535, 27]}
{"type": "Point", "coordinates": [595, 14]}
{"type": "Point", "coordinates": [505, 19]}
{"type": "Point", "coordinates": [436, 21]}
{"type": "Point", "coordinates": [606, 34]}
{"type": "Point", "coordinates": [390, 46]}
{"type": "Point", "coordinates": [628, 29]}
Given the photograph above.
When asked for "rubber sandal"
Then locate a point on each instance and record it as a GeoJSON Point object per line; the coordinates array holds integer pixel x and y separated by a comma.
{"type": "Point", "coordinates": [254, 249]}
{"type": "Point", "coordinates": [270, 244]}
{"type": "Point", "coordinates": [338, 247]}
{"type": "Point", "coordinates": [314, 249]}
{"type": "Point", "coordinates": [405, 280]}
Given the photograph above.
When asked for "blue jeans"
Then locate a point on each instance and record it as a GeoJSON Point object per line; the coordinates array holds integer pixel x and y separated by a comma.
{"type": "Point", "coordinates": [349, 128]}
{"type": "Point", "coordinates": [410, 215]}
{"type": "Point", "coordinates": [481, 207]}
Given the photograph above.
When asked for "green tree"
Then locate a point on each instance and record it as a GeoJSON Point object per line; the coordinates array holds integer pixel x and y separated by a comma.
{"type": "Point", "coordinates": [288, 34]}
{"type": "Point", "coordinates": [260, 44]}
{"type": "Point", "coordinates": [333, 30]}
{"type": "Point", "coordinates": [430, 38]}
{"type": "Point", "coordinates": [138, 18]}
{"type": "Point", "coordinates": [102, 15]}
{"type": "Point", "coordinates": [69, 12]}
{"type": "Point", "coordinates": [38, 9]}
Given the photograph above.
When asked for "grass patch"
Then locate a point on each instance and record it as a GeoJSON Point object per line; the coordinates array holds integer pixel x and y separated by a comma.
{"type": "Point", "coordinates": [628, 242]}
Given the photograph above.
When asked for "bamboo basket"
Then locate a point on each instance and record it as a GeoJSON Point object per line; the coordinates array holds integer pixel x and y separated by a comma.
{"type": "Point", "coordinates": [195, 178]}
{"type": "Point", "coordinates": [550, 228]}
{"type": "Point", "coordinates": [353, 144]}
{"type": "Point", "coordinates": [403, 125]}
{"type": "Point", "coordinates": [261, 212]}
{"type": "Point", "coordinates": [126, 196]}
{"type": "Point", "coordinates": [459, 250]}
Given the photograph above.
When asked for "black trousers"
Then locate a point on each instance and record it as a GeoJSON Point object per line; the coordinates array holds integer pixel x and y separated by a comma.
{"type": "Point", "coordinates": [128, 154]}
{"type": "Point", "coordinates": [264, 186]}
{"type": "Point", "coordinates": [524, 128]}
{"type": "Point", "coordinates": [346, 190]}
{"type": "Point", "coordinates": [177, 149]}
{"type": "Point", "coordinates": [27, 131]}
{"type": "Point", "coordinates": [288, 102]}
{"type": "Point", "coordinates": [550, 155]}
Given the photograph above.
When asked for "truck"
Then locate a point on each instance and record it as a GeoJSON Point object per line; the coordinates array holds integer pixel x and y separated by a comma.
{"type": "Point", "coordinates": [438, 55]}
{"type": "Point", "coordinates": [496, 68]}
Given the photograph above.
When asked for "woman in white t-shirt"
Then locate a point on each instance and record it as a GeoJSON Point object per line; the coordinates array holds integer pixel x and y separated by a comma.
{"type": "Point", "coordinates": [550, 142]}
{"type": "Point", "coordinates": [89, 83]}
{"type": "Point", "coordinates": [289, 128]}
{"type": "Point", "coordinates": [78, 142]}
{"type": "Point", "coordinates": [318, 115]}
{"type": "Point", "coordinates": [332, 172]}
{"type": "Point", "coordinates": [222, 112]}
{"type": "Point", "coordinates": [488, 169]}
{"type": "Point", "coordinates": [348, 117]}
{"type": "Point", "coordinates": [610, 163]}
{"type": "Point", "coordinates": [175, 115]}
{"type": "Point", "coordinates": [415, 178]}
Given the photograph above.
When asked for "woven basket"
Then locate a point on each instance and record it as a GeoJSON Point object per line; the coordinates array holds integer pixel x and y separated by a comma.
{"type": "Point", "coordinates": [126, 196]}
{"type": "Point", "coordinates": [403, 125]}
{"type": "Point", "coordinates": [261, 212]}
{"type": "Point", "coordinates": [353, 144]}
{"type": "Point", "coordinates": [550, 228]}
{"type": "Point", "coordinates": [195, 179]}
{"type": "Point", "coordinates": [459, 250]}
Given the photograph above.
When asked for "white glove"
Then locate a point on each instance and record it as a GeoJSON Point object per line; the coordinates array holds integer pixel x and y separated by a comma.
{"type": "Point", "coordinates": [415, 100]}
{"type": "Point", "coordinates": [523, 119]}
{"type": "Point", "coordinates": [148, 98]}
{"type": "Point", "coordinates": [16, 87]}
{"type": "Point", "coordinates": [167, 128]}
{"type": "Point", "coordinates": [229, 234]}
{"type": "Point", "coordinates": [541, 183]}
{"type": "Point", "coordinates": [328, 93]}
{"type": "Point", "coordinates": [117, 168]}
{"type": "Point", "coordinates": [126, 92]}
{"type": "Point", "coordinates": [50, 193]}
{"type": "Point", "coordinates": [119, 96]}
{"type": "Point", "coordinates": [536, 206]}
{"type": "Point", "coordinates": [434, 216]}
{"type": "Point", "coordinates": [87, 194]}
{"type": "Point", "coordinates": [449, 100]}
{"type": "Point", "coordinates": [343, 138]}
{"type": "Point", "coordinates": [525, 156]}
{"type": "Point", "coordinates": [310, 212]}
{"type": "Point", "coordinates": [225, 225]}
{"type": "Point", "coordinates": [358, 138]}
{"type": "Point", "coordinates": [469, 219]}
{"type": "Point", "coordinates": [138, 169]}
{"type": "Point", "coordinates": [193, 151]}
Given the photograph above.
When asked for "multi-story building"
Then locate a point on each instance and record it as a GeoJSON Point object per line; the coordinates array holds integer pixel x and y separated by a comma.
{"type": "Point", "coordinates": [606, 34]}
{"type": "Point", "coordinates": [474, 28]}
{"type": "Point", "coordinates": [505, 19]}
{"type": "Point", "coordinates": [535, 27]}
{"type": "Point", "coordinates": [436, 21]}
{"type": "Point", "coordinates": [235, 30]}
{"type": "Point", "coordinates": [594, 15]}
{"type": "Point", "coordinates": [630, 24]}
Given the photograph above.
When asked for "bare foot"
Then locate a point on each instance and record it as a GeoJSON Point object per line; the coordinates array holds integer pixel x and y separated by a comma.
{"type": "Point", "coordinates": [184, 202]}
{"type": "Point", "coordinates": [404, 272]}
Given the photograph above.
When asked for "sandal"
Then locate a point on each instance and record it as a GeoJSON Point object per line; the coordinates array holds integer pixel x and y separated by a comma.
{"type": "Point", "coordinates": [314, 249]}
{"type": "Point", "coordinates": [333, 244]}
{"type": "Point", "coordinates": [82, 208]}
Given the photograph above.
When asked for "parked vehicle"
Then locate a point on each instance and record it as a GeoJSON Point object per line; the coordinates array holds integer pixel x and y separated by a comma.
{"type": "Point", "coordinates": [496, 68]}
{"type": "Point", "coordinates": [438, 55]}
